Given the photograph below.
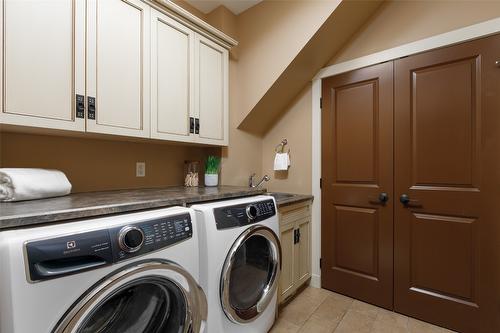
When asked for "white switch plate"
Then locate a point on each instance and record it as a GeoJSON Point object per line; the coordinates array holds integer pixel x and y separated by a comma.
{"type": "Point", "coordinates": [140, 169]}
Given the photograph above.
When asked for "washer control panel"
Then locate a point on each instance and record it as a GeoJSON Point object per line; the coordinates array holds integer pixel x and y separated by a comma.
{"type": "Point", "coordinates": [130, 238]}
{"type": "Point", "coordinates": [244, 214]}
{"type": "Point", "coordinates": [56, 257]}
{"type": "Point", "coordinates": [144, 237]}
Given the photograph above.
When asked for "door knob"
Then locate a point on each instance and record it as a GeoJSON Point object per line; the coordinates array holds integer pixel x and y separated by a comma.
{"type": "Point", "coordinates": [382, 198]}
{"type": "Point", "coordinates": [405, 200]}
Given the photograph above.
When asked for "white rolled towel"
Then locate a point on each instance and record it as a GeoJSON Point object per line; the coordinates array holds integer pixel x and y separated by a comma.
{"type": "Point", "coordinates": [17, 184]}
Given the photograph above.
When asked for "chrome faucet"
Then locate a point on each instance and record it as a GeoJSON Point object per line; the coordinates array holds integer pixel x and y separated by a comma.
{"type": "Point", "coordinates": [250, 180]}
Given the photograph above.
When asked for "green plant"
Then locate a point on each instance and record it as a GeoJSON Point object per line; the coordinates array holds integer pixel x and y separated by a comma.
{"type": "Point", "coordinates": [213, 164]}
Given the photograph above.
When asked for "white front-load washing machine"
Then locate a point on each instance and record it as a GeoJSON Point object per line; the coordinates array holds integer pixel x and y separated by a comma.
{"type": "Point", "coordinates": [240, 262]}
{"type": "Point", "coordinates": [128, 273]}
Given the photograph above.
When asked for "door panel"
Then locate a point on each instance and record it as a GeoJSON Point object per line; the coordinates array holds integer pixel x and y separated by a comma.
{"type": "Point", "coordinates": [357, 166]}
{"type": "Point", "coordinates": [356, 252]}
{"type": "Point", "coordinates": [172, 78]}
{"type": "Point", "coordinates": [444, 157]}
{"type": "Point", "coordinates": [118, 66]}
{"type": "Point", "coordinates": [454, 242]}
{"type": "Point", "coordinates": [41, 76]}
{"type": "Point", "coordinates": [440, 239]}
{"type": "Point", "coordinates": [355, 112]}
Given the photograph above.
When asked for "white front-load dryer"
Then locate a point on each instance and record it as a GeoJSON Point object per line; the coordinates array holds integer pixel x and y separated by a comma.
{"type": "Point", "coordinates": [240, 262]}
{"type": "Point", "coordinates": [128, 273]}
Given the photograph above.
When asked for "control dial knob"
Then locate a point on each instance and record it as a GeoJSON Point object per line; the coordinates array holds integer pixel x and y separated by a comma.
{"type": "Point", "coordinates": [130, 239]}
{"type": "Point", "coordinates": [252, 212]}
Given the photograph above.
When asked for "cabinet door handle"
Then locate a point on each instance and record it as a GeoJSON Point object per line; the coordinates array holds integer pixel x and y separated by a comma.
{"type": "Point", "coordinates": [197, 126]}
{"type": "Point", "coordinates": [91, 108]}
{"type": "Point", "coordinates": [80, 106]}
{"type": "Point", "coordinates": [296, 236]}
{"type": "Point", "coordinates": [191, 125]}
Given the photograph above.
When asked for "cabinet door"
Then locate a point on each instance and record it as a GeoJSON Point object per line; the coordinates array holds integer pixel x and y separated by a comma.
{"type": "Point", "coordinates": [303, 256]}
{"type": "Point", "coordinates": [287, 277]}
{"type": "Point", "coordinates": [118, 48]}
{"type": "Point", "coordinates": [172, 78]}
{"type": "Point", "coordinates": [42, 63]}
{"type": "Point", "coordinates": [211, 91]}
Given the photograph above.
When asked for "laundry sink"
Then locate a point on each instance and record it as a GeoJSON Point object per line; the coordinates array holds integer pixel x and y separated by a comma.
{"type": "Point", "coordinates": [280, 196]}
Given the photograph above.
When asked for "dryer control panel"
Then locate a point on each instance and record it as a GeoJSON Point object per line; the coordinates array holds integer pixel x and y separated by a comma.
{"type": "Point", "coordinates": [244, 214]}
{"type": "Point", "coordinates": [56, 257]}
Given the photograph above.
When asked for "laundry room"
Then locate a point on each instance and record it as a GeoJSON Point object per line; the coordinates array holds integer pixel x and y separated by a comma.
{"type": "Point", "coordinates": [249, 166]}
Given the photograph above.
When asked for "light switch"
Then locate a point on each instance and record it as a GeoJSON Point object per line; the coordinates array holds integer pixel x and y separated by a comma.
{"type": "Point", "coordinates": [140, 169]}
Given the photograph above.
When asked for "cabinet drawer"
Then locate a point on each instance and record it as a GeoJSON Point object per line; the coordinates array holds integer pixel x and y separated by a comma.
{"type": "Point", "coordinates": [295, 212]}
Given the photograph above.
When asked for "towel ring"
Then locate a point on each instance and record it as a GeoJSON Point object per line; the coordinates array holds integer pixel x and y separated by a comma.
{"type": "Point", "coordinates": [280, 148]}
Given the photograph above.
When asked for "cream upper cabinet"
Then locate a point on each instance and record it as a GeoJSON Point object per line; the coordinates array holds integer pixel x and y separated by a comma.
{"type": "Point", "coordinates": [42, 63]}
{"type": "Point", "coordinates": [131, 68]}
{"type": "Point", "coordinates": [172, 79]}
{"type": "Point", "coordinates": [211, 91]}
{"type": "Point", "coordinates": [118, 71]}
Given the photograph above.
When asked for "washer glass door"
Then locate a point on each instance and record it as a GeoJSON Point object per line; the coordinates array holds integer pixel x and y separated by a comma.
{"type": "Point", "coordinates": [250, 274]}
{"type": "Point", "coordinates": [150, 296]}
{"type": "Point", "coordinates": [144, 305]}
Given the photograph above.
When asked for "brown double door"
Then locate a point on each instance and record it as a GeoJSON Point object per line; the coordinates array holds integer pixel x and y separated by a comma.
{"type": "Point", "coordinates": [411, 185]}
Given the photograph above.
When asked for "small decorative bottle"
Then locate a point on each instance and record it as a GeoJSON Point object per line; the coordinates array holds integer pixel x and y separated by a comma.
{"type": "Point", "coordinates": [191, 178]}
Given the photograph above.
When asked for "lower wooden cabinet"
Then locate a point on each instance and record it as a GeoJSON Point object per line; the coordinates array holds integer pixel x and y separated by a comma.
{"type": "Point", "coordinates": [295, 232]}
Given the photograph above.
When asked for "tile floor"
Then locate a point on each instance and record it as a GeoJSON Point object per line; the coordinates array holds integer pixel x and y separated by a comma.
{"type": "Point", "coordinates": [321, 311]}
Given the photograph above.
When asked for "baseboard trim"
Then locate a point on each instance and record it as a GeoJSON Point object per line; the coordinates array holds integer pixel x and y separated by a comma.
{"type": "Point", "coordinates": [315, 281]}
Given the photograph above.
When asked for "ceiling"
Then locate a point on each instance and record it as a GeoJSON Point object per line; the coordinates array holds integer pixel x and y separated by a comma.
{"type": "Point", "coordinates": [235, 6]}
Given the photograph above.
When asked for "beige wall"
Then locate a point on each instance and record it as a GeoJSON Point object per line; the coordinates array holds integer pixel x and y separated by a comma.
{"type": "Point", "coordinates": [295, 126]}
{"type": "Point", "coordinates": [96, 164]}
{"type": "Point", "coordinates": [271, 34]}
{"type": "Point", "coordinates": [401, 22]}
{"type": "Point", "coordinates": [224, 20]}
{"type": "Point", "coordinates": [244, 154]}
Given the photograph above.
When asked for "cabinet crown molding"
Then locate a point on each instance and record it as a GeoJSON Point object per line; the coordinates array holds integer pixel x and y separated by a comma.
{"type": "Point", "coordinates": [179, 13]}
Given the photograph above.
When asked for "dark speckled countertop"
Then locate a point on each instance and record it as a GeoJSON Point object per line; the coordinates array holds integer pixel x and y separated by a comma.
{"type": "Point", "coordinates": [81, 205]}
{"type": "Point", "coordinates": [91, 204]}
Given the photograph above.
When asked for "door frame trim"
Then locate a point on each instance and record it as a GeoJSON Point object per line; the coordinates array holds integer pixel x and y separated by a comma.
{"type": "Point", "coordinates": [468, 33]}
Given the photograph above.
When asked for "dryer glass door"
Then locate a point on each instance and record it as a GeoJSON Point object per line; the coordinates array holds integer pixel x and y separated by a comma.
{"type": "Point", "coordinates": [151, 296]}
{"type": "Point", "coordinates": [250, 274]}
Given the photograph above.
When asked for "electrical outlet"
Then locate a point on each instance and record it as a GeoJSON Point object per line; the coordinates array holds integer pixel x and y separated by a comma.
{"type": "Point", "coordinates": [140, 169]}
